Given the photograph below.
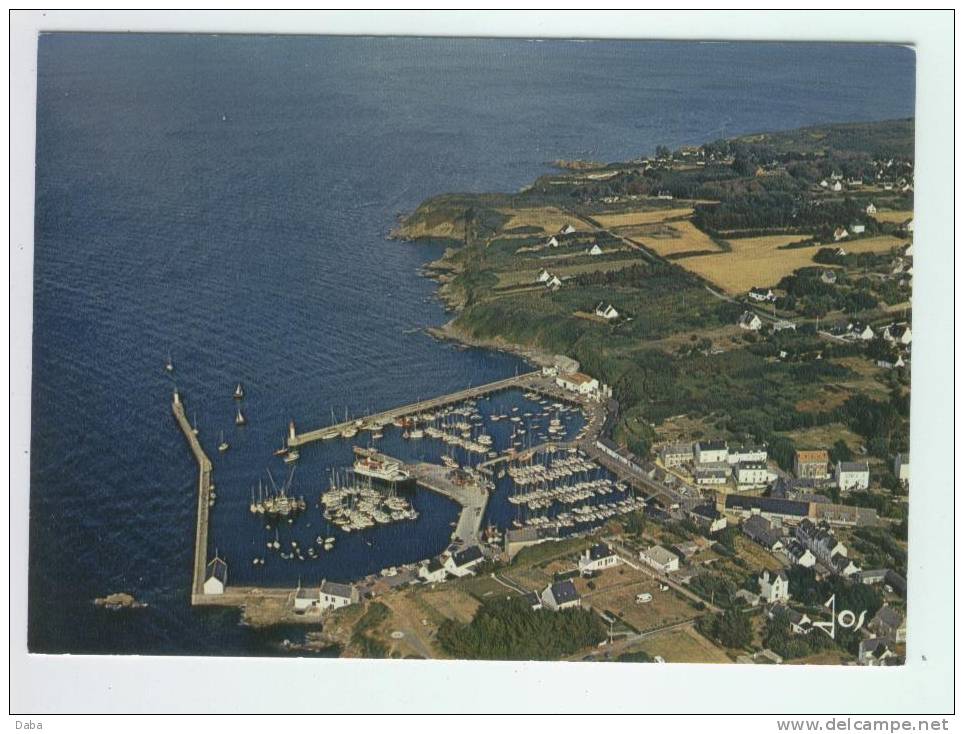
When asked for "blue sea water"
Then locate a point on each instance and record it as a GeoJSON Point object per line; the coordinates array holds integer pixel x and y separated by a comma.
{"type": "Point", "coordinates": [226, 199]}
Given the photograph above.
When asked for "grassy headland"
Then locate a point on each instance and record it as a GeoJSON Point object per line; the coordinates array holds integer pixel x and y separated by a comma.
{"type": "Point", "coordinates": [673, 243]}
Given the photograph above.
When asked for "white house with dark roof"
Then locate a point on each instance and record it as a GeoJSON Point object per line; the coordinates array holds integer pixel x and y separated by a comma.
{"type": "Point", "coordinates": [333, 595]}
{"type": "Point", "coordinates": [751, 473]}
{"type": "Point", "coordinates": [871, 209]}
{"type": "Point", "coordinates": [875, 651]}
{"type": "Point", "coordinates": [902, 467]}
{"type": "Point", "coordinates": [852, 475]}
{"type": "Point", "coordinates": [840, 233]}
{"type": "Point", "coordinates": [598, 558]}
{"type": "Point", "coordinates": [595, 250]}
{"type": "Point", "coordinates": [897, 334]}
{"type": "Point", "coordinates": [544, 276]}
{"type": "Point", "coordinates": [889, 624]}
{"type": "Point", "coordinates": [712, 452]}
{"type": "Point", "coordinates": [774, 587]}
{"type": "Point", "coordinates": [217, 576]}
{"type": "Point", "coordinates": [432, 571]}
{"type": "Point", "coordinates": [560, 595]}
{"type": "Point", "coordinates": [567, 229]}
{"type": "Point", "coordinates": [800, 554]}
{"type": "Point", "coordinates": [552, 242]}
{"type": "Point", "coordinates": [800, 624]}
{"type": "Point", "coordinates": [554, 283]}
{"type": "Point", "coordinates": [462, 562]}
{"type": "Point", "coordinates": [708, 517]}
{"type": "Point", "coordinates": [750, 321]}
{"type": "Point", "coordinates": [860, 331]}
{"type": "Point", "coordinates": [607, 312]}
{"type": "Point", "coordinates": [305, 598]}
{"type": "Point", "coordinates": [659, 558]}
{"type": "Point", "coordinates": [761, 531]}
{"type": "Point", "coordinates": [762, 295]}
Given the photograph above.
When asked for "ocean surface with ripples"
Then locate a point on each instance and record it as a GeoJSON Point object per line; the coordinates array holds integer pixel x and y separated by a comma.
{"type": "Point", "coordinates": [226, 199]}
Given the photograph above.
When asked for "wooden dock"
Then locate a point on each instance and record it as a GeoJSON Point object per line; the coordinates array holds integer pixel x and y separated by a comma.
{"type": "Point", "coordinates": [205, 472]}
{"type": "Point", "coordinates": [527, 380]}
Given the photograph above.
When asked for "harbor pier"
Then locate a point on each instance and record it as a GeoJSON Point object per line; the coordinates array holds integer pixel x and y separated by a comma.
{"type": "Point", "coordinates": [472, 497]}
{"type": "Point", "coordinates": [204, 482]}
{"type": "Point", "coordinates": [528, 380]}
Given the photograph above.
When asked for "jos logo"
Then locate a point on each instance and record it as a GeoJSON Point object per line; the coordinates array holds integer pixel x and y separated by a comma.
{"type": "Point", "coordinates": [846, 619]}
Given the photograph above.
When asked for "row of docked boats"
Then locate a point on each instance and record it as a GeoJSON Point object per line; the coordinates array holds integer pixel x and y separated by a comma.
{"type": "Point", "coordinates": [353, 505]}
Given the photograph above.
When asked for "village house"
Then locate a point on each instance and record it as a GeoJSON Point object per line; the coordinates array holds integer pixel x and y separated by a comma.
{"type": "Point", "coordinates": [811, 464]}
{"type": "Point", "coordinates": [897, 334]}
{"type": "Point", "coordinates": [217, 576]}
{"type": "Point", "coordinates": [844, 515]}
{"type": "Point", "coordinates": [552, 242]}
{"type": "Point", "coordinates": [843, 566]}
{"type": "Point", "coordinates": [607, 312]}
{"type": "Point", "coordinates": [432, 571]}
{"type": "Point", "coordinates": [840, 233]}
{"type": "Point", "coordinates": [706, 475]}
{"type": "Point", "coordinates": [902, 467]}
{"type": "Point", "coordinates": [554, 283]}
{"type": "Point", "coordinates": [751, 473]}
{"type": "Point", "coordinates": [799, 623]}
{"type": "Point", "coordinates": [333, 595]}
{"type": "Point", "coordinates": [889, 624]}
{"type": "Point", "coordinates": [708, 517]}
{"type": "Point", "coordinates": [567, 229]}
{"type": "Point", "coordinates": [762, 532]}
{"type": "Point", "coordinates": [852, 475]}
{"type": "Point", "coordinates": [871, 209]}
{"type": "Point", "coordinates": [659, 558]}
{"type": "Point", "coordinates": [800, 554]}
{"type": "Point", "coordinates": [783, 511]}
{"type": "Point", "coordinates": [676, 454]}
{"type": "Point", "coordinates": [858, 228]}
{"type": "Point", "coordinates": [860, 331]}
{"type": "Point", "coordinates": [781, 324]}
{"type": "Point", "coordinates": [595, 250]}
{"type": "Point", "coordinates": [761, 295]}
{"type": "Point", "coordinates": [305, 598]}
{"type": "Point", "coordinates": [774, 587]}
{"type": "Point", "coordinates": [711, 452]}
{"type": "Point", "coordinates": [836, 186]}
{"type": "Point", "coordinates": [829, 277]}
{"type": "Point", "coordinates": [686, 549]}
{"type": "Point", "coordinates": [560, 595]}
{"type": "Point", "coordinates": [578, 382]}
{"type": "Point", "coordinates": [875, 651]}
{"type": "Point", "coordinates": [462, 562]}
{"type": "Point", "coordinates": [598, 557]}
{"type": "Point", "coordinates": [750, 321]}
{"type": "Point", "coordinates": [802, 490]}
{"type": "Point", "coordinates": [543, 277]}
{"type": "Point", "coordinates": [737, 454]}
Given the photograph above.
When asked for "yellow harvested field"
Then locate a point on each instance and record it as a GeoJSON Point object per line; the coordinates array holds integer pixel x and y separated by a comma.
{"type": "Point", "coordinates": [648, 216]}
{"type": "Point", "coordinates": [677, 237]}
{"type": "Point", "coordinates": [684, 645]}
{"type": "Point", "coordinates": [549, 219]}
{"type": "Point", "coordinates": [894, 217]}
{"type": "Point", "coordinates": [758, 261]}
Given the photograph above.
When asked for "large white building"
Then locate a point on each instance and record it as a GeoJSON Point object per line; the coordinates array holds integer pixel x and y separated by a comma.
{"type": "Point", "coordinates": [659, 558]}
{"type": "Point", "coordinates": [751, 473]}
{"type": "Point", "coordinates": [597, 558]}
{"type": "Point", "coordinates": [578, 382]}
{"type": "Point", "coordinates": [711, 452]}
{"type": "Point", "coordinates": [852, 475]}
{"type": "Point", "coordinates": [774, 587]}
{"type": "Point", "coordinates": [335, 596]}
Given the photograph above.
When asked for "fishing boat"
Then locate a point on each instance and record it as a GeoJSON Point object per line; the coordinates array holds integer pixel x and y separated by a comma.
{"type": "Point", "coordinates": [370, 463]}
{"type": "Point", "coordinates": [224, 445]}
{"type": "Point", "coordinates": [290, 457]}
{"type": "Point", "coordinates": [238, 392]}
{"type": "Point", "coordinates": [169, 365]}
{"type": "Point", "coordinates": [239, 419]}
{"type": "Point", "coordinates": [195, 429]}
{"type": "Point", "coordinates": [283, 450]}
